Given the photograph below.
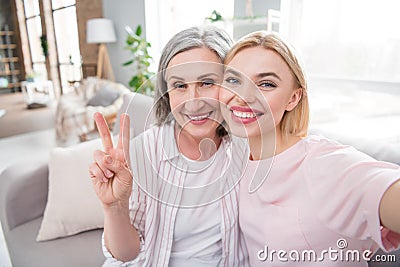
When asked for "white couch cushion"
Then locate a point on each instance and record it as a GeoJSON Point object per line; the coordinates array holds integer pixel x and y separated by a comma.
{"type": "Point", "coordinates": [72, 204]}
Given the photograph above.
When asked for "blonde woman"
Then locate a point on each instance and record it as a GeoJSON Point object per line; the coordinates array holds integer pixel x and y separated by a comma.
{"type": "Point", "coordinates": [304, 200]}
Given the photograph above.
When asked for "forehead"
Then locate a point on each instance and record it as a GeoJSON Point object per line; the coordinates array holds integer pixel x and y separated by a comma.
{"type": "Point", "coordinates": [254, 60]}
{"type": "Point", "coordinates": [194, 63]}
{"type": "Point", "coordinates": [193, 55]}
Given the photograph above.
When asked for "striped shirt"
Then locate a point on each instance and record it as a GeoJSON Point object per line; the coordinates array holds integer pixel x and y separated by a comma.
{"type": "Point", "coordinates": [159, 172]}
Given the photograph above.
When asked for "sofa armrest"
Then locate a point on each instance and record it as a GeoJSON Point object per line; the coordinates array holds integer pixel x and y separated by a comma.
{"type": "Point", "coordinates": [23, 193]}
{"type": "Point", "coordinates": [141, 111]}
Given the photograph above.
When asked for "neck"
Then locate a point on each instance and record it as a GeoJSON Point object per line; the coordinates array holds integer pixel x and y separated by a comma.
{"type": "Point", "coordinates": [196, 148]}
{"type": "Point", "coordinates": [268, 145]}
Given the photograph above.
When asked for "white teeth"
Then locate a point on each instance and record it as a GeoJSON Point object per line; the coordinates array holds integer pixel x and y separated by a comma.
{"type": "Point", "coordinates": [198, 118]}
{"type": "Point", "coordinates": [241, 114]}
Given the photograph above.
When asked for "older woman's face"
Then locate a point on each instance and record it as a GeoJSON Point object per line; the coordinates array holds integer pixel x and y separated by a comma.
{"type": "Point", "coordinates": [193, 78]}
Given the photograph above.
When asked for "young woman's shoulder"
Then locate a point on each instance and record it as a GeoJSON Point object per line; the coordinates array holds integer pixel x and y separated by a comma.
{"type": "Point", "coordinates": [318, 145]}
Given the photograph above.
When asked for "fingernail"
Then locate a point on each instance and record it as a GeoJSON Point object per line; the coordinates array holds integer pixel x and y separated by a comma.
{"type": "Point", "coordinates": [109, 173]}
{"type": "Point", "coordinates": [108, 159]}
{"type": "Point", "coordinates": [105, 180]}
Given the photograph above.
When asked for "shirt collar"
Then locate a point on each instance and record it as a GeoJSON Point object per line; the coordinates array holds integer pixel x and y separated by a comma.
{"type": "Point", "coordinates": [168, 142]}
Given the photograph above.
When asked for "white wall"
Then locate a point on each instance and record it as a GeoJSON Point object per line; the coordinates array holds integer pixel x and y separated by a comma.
{"type": "Point", "coordinates": [122, 13]}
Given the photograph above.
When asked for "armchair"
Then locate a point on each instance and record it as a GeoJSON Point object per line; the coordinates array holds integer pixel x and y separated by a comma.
{"type": "Point", "coordinates": [75, 110]}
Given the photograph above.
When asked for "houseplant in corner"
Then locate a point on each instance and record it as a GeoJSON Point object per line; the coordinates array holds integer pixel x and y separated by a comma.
{"type": "Point", "coordinates": [138, 45]}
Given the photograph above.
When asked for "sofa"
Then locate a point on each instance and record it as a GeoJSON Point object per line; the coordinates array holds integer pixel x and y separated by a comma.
{"type": "Point", "coordinates": [24, 189]}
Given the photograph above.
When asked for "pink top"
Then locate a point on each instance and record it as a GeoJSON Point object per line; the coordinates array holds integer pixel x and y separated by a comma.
{"type": "Point", "coordinates": [319, 205]}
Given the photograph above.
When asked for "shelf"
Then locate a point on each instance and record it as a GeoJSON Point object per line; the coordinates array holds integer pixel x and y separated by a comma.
{"type": "Point", "coordinates": [6, 46]}
{"type": "Point", "coordinates": [9, 59]}
{"type": "Point", "coordinates": [12, 85]}
{"type": "Point", "coordinates": [9, 66]}
{"type": "Point", "coordinates": [9, 73]}
{"type": "Point", "coordinates": [6, 33]}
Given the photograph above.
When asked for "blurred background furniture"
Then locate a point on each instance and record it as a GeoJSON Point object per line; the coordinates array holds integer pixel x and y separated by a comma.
{"type": "Point", "coordinates": [101, 31]}
{"type": "Point", "coordinates": [37, 93]}
{"type": "Point", "coordinates": [74, 116]}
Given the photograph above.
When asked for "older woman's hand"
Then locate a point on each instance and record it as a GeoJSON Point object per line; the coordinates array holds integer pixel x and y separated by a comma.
{"type": "Point", "coordinates": [110, 172]}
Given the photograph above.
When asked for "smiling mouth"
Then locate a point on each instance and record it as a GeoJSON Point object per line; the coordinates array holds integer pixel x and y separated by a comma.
{"type": "Point", "coordinates": [246, 113]}
{"type": "Point", "coordinates": [199, 117]}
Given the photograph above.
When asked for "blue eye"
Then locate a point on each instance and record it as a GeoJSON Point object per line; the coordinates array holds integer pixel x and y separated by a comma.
{"type": "Point", "coordinates": [267, 85]}
{"type": "Point", "coordinates": [232, 80]}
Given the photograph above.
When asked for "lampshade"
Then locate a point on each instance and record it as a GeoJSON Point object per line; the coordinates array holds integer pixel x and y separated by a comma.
{"type": "Point", "coordinates": [100, 30]}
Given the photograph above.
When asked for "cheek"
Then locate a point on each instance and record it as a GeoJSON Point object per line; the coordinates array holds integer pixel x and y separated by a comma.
{"type": "Point", "coordinates": [174, 101]}
{"type": "Point", "coordinates": [225, 96]}
{"type": "Point", "coordinates": [277, 105]}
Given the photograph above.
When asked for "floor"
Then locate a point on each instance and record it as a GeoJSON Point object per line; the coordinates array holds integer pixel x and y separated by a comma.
{"type": "Point", "coordinates": [18, 119]}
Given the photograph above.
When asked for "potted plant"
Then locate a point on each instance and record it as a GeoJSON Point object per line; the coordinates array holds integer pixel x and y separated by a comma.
{"type": "Point", "coordinates": [32, 76]}
{"type": "Point", "coordinates": [141, 59]}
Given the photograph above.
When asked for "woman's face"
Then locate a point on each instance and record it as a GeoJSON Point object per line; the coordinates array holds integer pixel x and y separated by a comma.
{"type": "Point", "coordinates": [193, 79]}
{"type": "Point", "coordinates": [257, 89]}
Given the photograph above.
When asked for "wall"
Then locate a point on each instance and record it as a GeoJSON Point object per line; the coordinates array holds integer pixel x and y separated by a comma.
{"type": "Point", "coordinates": [122, 13]}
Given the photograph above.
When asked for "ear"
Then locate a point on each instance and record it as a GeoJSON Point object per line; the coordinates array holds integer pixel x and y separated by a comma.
{"type": "Point", "coordinates": [294, 99]}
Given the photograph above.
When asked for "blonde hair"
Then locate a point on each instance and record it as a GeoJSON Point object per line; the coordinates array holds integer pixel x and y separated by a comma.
{"type": "Point", "coordinates": [294, 122]}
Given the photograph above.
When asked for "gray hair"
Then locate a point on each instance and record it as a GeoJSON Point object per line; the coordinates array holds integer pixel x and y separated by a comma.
{"type": "Point", "coordinates": [210, 37]}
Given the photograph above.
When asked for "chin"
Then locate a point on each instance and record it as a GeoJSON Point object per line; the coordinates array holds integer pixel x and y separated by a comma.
{"type": "Point", "coordinates": [207, 130]}
{"type": "Point", "coordinates": [243, 131]}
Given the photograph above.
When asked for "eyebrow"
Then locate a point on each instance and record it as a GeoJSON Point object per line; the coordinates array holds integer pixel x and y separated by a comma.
{"type": "Point", "coordinates": [233, 72]}
{"type": "Point", "coordinates": [259, 76]}
{"type": "Point", "coordinates": [199, 78]}
{"type": "Point", "coordinates": [265, 74]}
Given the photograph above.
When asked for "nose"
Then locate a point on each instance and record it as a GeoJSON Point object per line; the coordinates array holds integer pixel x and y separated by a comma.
{"type": "Point", "coordinates": [193, 102]}
{"type": "Point", "coordinates": [246, 93]}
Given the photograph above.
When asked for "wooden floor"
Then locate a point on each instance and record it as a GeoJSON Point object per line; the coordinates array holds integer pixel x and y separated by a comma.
{"type": "Point", "coordinates": [18, 119]}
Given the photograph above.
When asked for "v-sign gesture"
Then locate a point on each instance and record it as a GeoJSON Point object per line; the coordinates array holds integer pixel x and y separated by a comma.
{"type": "Point", "coordinates": [110, 172]}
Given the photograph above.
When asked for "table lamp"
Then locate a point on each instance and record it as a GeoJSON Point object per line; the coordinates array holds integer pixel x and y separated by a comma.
{"type": "Point", "coordinates": [101, 31]}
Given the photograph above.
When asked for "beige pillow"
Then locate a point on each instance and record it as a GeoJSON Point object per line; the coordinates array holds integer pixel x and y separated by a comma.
{"type": "Point", "coordinates": [72, 205]}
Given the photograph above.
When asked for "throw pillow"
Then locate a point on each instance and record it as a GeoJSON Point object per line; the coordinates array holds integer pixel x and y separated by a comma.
{"type": "Point", "coordinates": [72, 205]}
{"type": "Point", "coordinates": [105, 96]}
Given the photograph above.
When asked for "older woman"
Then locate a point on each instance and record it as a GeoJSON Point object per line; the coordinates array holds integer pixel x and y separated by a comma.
{"type": "Point", "coordinates": [177, 204]}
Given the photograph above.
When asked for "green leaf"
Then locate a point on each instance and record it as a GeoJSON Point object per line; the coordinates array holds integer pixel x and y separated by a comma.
{"type": "Point", "coordinates": [138, 30]}
{"type": "Point", "coordinates": [128, 63]}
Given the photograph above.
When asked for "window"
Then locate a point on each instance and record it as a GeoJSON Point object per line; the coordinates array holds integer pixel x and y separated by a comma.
{"type": "Point", "coordinates": [66, 31]}
{"type": "Point", "coordinates": [57, 20]}
{"type": "Point", "coordinates": [34, 29]}
{"type": "Point", "coordinates": [350, 50]}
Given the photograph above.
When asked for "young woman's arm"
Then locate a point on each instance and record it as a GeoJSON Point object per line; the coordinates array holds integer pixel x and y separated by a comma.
{"type": "Point", "coordinates": [389, 210]}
